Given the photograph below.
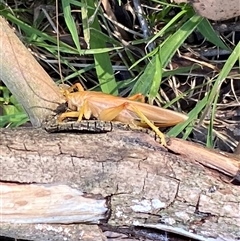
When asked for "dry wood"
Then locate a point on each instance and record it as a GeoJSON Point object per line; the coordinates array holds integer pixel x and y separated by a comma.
{"type": "Point", "coordinates": [223, 162]}
{"type": "Point", "coordinates": [226, 163]}
{"type": "Point", "coordinates": [53, 232]}
{"type": "Point", "coordinates": [141, 185]}
{"type": "Point", "coordinates": [48, 202]}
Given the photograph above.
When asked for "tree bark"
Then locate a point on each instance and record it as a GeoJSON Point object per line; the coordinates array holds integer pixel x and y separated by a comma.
{"type": "Point", "coordinates": [117, 184]}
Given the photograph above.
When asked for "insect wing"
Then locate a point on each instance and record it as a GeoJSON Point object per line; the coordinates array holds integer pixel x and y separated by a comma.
{"type": "Point", "coordinates": [159, 116]}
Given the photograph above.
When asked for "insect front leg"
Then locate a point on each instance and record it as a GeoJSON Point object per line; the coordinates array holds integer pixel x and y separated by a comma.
{"type": "Point", "coordinates": [83, 111]}
{"type": "Point", "coordinates": [71, 114]}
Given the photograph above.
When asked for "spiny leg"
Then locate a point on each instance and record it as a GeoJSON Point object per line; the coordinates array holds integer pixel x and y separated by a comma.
{"type": "Point", "coordinates": [149, 123]}
{"type": "Point", "coordinates": [111, 113]}
{"type": "Point", "coordinates": [84, 112]}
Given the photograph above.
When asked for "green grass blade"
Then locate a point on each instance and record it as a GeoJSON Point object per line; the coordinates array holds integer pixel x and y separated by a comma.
{"type": "Point", "coordinates": [192, 117]}
{"type": "Point", "coordinates": [79, 4]}
{"type": "Point", "coordinates": [167, 50]}
{"type": "Point", "coordinates": [167, 26]}
{"type": "Point", "coordinates": [144, 82]}
{"type": "Point", "coordinates": [207, 101]}
{"type": "Point", "coordinates": [70, 23]}
{"type": "Point", "coordinates": [102, 61]}
{"type": "Point", "coordinates": [170, 45]}
{"type": "Point", "coordinates": [157, 78]}
{"type": "Point", "coordinates": [206, 29]}
{"type": "Point", "coordinates": [41, 37]}
{"type": "Point", "coordinates": [214, 94]}
{"type": "Point", "coordinates": [53, 49]}
{"type": "Point", "coordinates": [223, 74]}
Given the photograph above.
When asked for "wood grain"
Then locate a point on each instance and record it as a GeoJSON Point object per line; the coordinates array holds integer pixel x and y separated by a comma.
{"type": "Point", "coordinates": [139, 181]}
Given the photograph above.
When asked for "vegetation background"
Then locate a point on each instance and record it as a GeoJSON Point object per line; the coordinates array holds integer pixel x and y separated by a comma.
{"type": "Point", "coordinates": [177, 59]}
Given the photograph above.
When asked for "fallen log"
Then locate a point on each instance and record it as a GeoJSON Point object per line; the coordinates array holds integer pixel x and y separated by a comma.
{"type": "Point", "coordinates": [116, 184]}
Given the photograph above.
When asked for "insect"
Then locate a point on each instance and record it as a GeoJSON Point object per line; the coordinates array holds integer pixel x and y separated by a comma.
{"type": "Point", "coordinates": [131, 110]}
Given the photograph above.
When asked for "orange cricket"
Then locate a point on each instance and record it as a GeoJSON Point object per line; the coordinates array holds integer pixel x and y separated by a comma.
{"type": "Point", "coordinates": [131, 110]}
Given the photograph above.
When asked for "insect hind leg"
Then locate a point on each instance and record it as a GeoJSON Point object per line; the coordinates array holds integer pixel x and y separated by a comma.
{"type": "Point", "coordinates": [149, 123]}
{"type": "Point", "coordinates": [110, 114]}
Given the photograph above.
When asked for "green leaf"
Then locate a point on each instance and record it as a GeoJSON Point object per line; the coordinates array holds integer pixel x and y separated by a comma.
{"type": "Point", "coordinates": [157, 77]}
{"type": "Point", "coordinates": [14, 120]}
{"type": "Point", "coordinates": [167, 26]}
{"type": "Point", "coordinates": [206, 29]}
{"type": "Point", "coordinates": [102, 61]}
{"type": "Point", "coordinates": [171, 45]}
{"type": "Point", "coordinates": [167, 50]}
{"type": "Point", "coordinates": [221, 77]}
{"type": "Point", "coordinates": [144, 82]}
{"type": "Point", "coordinates": [70, 23]}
